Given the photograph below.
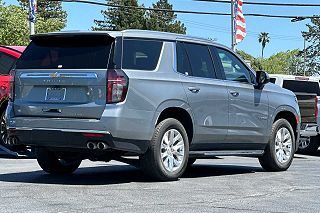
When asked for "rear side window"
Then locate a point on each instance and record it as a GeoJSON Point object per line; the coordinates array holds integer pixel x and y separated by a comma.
{"type": "Point", "coordinates": [301, 86]}
{"type": "Point", "coordinates": [67, 52]}
{"type": "Point", "coordinates": [141, 54]}
{"type": "Point", "coordinates": [6, 63]}
{"type": "Point", "coordinates": [200, 60]}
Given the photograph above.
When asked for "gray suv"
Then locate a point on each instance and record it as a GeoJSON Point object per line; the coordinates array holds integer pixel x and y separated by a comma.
{"type": "Point", "coordinates": [168, 99]}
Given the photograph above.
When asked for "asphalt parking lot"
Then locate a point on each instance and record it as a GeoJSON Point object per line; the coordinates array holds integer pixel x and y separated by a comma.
{"type": "Point", "coordinates": [230, 184]}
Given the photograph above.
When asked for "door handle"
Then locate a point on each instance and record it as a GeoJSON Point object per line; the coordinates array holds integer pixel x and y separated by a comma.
{"type": "Point", "coordinates": [234, 93]}
{"type": "Point", "coordinates": [194, 89]}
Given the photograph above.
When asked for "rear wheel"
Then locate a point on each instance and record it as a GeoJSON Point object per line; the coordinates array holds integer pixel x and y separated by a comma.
{"type": "Point", "coordinates": [309, 146]}
{"type": "Point", "coordinates": [167, 157]}
{"type": "Point", "coordinates": [50, 163]}
{"type": "Point", "coordinates": [3, 130]}
{"type": "Point", "coordinates": [279, 153]}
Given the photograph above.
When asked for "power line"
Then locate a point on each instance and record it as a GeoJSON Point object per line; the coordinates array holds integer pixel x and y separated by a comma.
{"type": "Point", "coordinates": [265, 3]}
{"type": "Point", "coordinates": [184, 11]}
{"type": "Point", "coordinates": [220, 29]}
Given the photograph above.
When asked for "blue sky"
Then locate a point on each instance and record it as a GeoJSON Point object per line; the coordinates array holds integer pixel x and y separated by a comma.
{"type": "Point", "coordinates": [284, 35]}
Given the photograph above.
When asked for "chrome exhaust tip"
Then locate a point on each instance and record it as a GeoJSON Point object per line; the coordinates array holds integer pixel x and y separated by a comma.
{"type": "Point", "coordinates": [92, 146]}
{"type": "Point", "coordinates": [102, 146]}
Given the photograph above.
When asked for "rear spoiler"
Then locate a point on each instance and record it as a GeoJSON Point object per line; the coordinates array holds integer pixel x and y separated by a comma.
{"type": "Point", "coordinates": [73, 34]}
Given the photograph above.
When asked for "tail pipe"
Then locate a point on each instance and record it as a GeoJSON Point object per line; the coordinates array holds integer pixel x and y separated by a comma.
{"type": "Point", "coordinates": [102, 146]}
{"type": "Point", "coordinates": [92, 145]}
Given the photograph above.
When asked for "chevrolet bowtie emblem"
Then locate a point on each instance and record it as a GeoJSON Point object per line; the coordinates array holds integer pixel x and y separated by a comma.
{"type": "Point", "coordinates": [54, 75]}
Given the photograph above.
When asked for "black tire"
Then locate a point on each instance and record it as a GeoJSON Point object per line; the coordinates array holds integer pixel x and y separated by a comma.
{"type": "Point", "coordinates": [269, 160]}
{"type": "Point", "coordinates": [312, 147]}
{"type": "Point", "coordinates": [48, 161]}
{"type": "Point", "coordinates": [151, 161]}
{"type": "Point", "coordinates": [191, 161]}
{"type": "Point", "coordinates": [3, 130]}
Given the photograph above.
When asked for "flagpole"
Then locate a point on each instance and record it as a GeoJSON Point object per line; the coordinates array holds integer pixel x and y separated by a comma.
{"type": "Point", "coordinates": [32, 15]}
{"type": "Point", "coordinates": [31, 25]}
{"type": "Point", "coordinates": [233, 43]}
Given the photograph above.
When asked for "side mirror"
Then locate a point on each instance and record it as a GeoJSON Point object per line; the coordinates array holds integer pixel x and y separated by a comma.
{"type": "Point", "coordinates": [262, 78]}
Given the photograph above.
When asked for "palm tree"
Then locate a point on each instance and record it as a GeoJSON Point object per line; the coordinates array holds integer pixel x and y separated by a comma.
{"type": "Point", "coordinates": [264, 39]}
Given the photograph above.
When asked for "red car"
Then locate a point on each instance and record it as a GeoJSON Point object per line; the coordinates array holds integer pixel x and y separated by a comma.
{"type": "Point", "coordinates": [8, 57]}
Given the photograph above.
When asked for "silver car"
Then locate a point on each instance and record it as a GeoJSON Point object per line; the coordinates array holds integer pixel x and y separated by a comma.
{"type": "Point", "coordinates": [168, 99]}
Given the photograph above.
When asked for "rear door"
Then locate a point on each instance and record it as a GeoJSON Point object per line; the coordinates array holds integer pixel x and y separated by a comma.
{"type": "Point", "coordinates": [248, 107]}
{"type": "Point", "coordinates": [63, 76]}
{"type": "Point", "coordinates": [206, 95]}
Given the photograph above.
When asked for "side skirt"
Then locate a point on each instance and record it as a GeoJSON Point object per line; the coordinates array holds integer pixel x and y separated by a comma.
{"type": "Point", "coordinates": [213, 154]}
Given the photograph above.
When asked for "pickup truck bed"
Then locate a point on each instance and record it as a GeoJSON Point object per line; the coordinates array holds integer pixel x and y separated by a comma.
{"type": "Point", "coordinates": [308, 107]}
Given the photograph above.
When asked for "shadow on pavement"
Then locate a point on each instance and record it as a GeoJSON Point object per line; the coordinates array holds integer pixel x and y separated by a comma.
{"type": "Point", "coordinates": [119, 174]}
{"type": "Point", "coordinates": [199, 170]}
{"type": "Point", "coordinates": [317, 154]}
{"type": "Point", "coordinates": [305, 156]}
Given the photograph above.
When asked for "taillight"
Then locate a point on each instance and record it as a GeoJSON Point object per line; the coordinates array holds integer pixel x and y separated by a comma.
{"type": "Point", "coordinates": [316, 114]}
{"type": "Point", "coordinates": [117, 86]}
{"type": "Point", "coordinates": [12, 76]}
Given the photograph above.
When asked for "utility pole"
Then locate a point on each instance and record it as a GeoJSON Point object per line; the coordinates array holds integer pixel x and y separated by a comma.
{"type": "Point", "coordinates": [233, 43]}
{"type": "Point", "coordinates": [32, 15]}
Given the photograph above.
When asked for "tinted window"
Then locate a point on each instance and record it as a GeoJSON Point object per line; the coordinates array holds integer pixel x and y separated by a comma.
{"type": "Point", "coordinates": [6, 63]}
{"type": "Point", "coordinates": [301, 86]}
{"type": "Point", "coordinates": [272, 80]}
{"type": "Point", "coordinates": [141, 54]}
{"type": "Point", "coordinates": [233, 68]}
{"type": "Point", "coordinates": [72, 52]}
{"type": "Point", "coordinates": [183, 64]}
{"type": "Point", "coordinates": [200, 59]}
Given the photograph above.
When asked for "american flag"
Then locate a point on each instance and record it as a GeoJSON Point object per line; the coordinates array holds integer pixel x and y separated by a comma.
{"type": "Point", "coordinates": [240, 22]}
{"type": "Point", "coordinates": [33, 10]}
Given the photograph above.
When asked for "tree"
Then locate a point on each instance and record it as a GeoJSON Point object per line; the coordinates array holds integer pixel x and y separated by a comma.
{"type": "Point", "coordinates": [14, 28]}
{"type": "Point", "coordinates": [313, 50]}
{"type": "Point", "coordinates": [263, 39]}
{"type": "Point", "coordinates": [48, 11]}
{"type": "Point", "coordinates": [287, 62]}
{"type": "Point", "coordinates": [254, 62]}
{"type": "Point", "coordinates": [121, 18]}
{"type": "Point", "coordinates": [163, 20]}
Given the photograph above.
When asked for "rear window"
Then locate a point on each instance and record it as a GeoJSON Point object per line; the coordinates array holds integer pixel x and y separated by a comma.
{"type": "Point", "coordinates": [72, 52]}
{"type": "Point", "coordinates": [141, 54]}
{"type": "Point", "coordinates": [6, 63]}
{"type": "Point", "coordinates": [302, 86]}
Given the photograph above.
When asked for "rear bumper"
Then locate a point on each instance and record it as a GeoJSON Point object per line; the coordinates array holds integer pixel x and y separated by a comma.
{"type": "Point", "coordinates": [309, 130]}
{"type": "Point", "coordinates": [74, 139]}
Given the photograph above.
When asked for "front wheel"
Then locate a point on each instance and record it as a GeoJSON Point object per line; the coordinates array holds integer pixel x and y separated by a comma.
{"type": "Point", "coordinates": [50, 163]}
{"type": "Point", "coordinates": [167, 156]}
{"type": "Point", "coordinates": [279, 152]}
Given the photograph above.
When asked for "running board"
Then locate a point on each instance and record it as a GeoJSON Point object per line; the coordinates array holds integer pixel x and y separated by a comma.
{"type": "Point", "coordinates": [212, 154]}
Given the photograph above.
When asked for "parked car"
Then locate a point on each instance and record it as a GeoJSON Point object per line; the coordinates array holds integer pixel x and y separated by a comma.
{"type": "Point", "coordinates": [167, 98]}
{"type": "Point", "coordinates": [307, 91]}
{"type": "Point", "coordinates": [8, 57]}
